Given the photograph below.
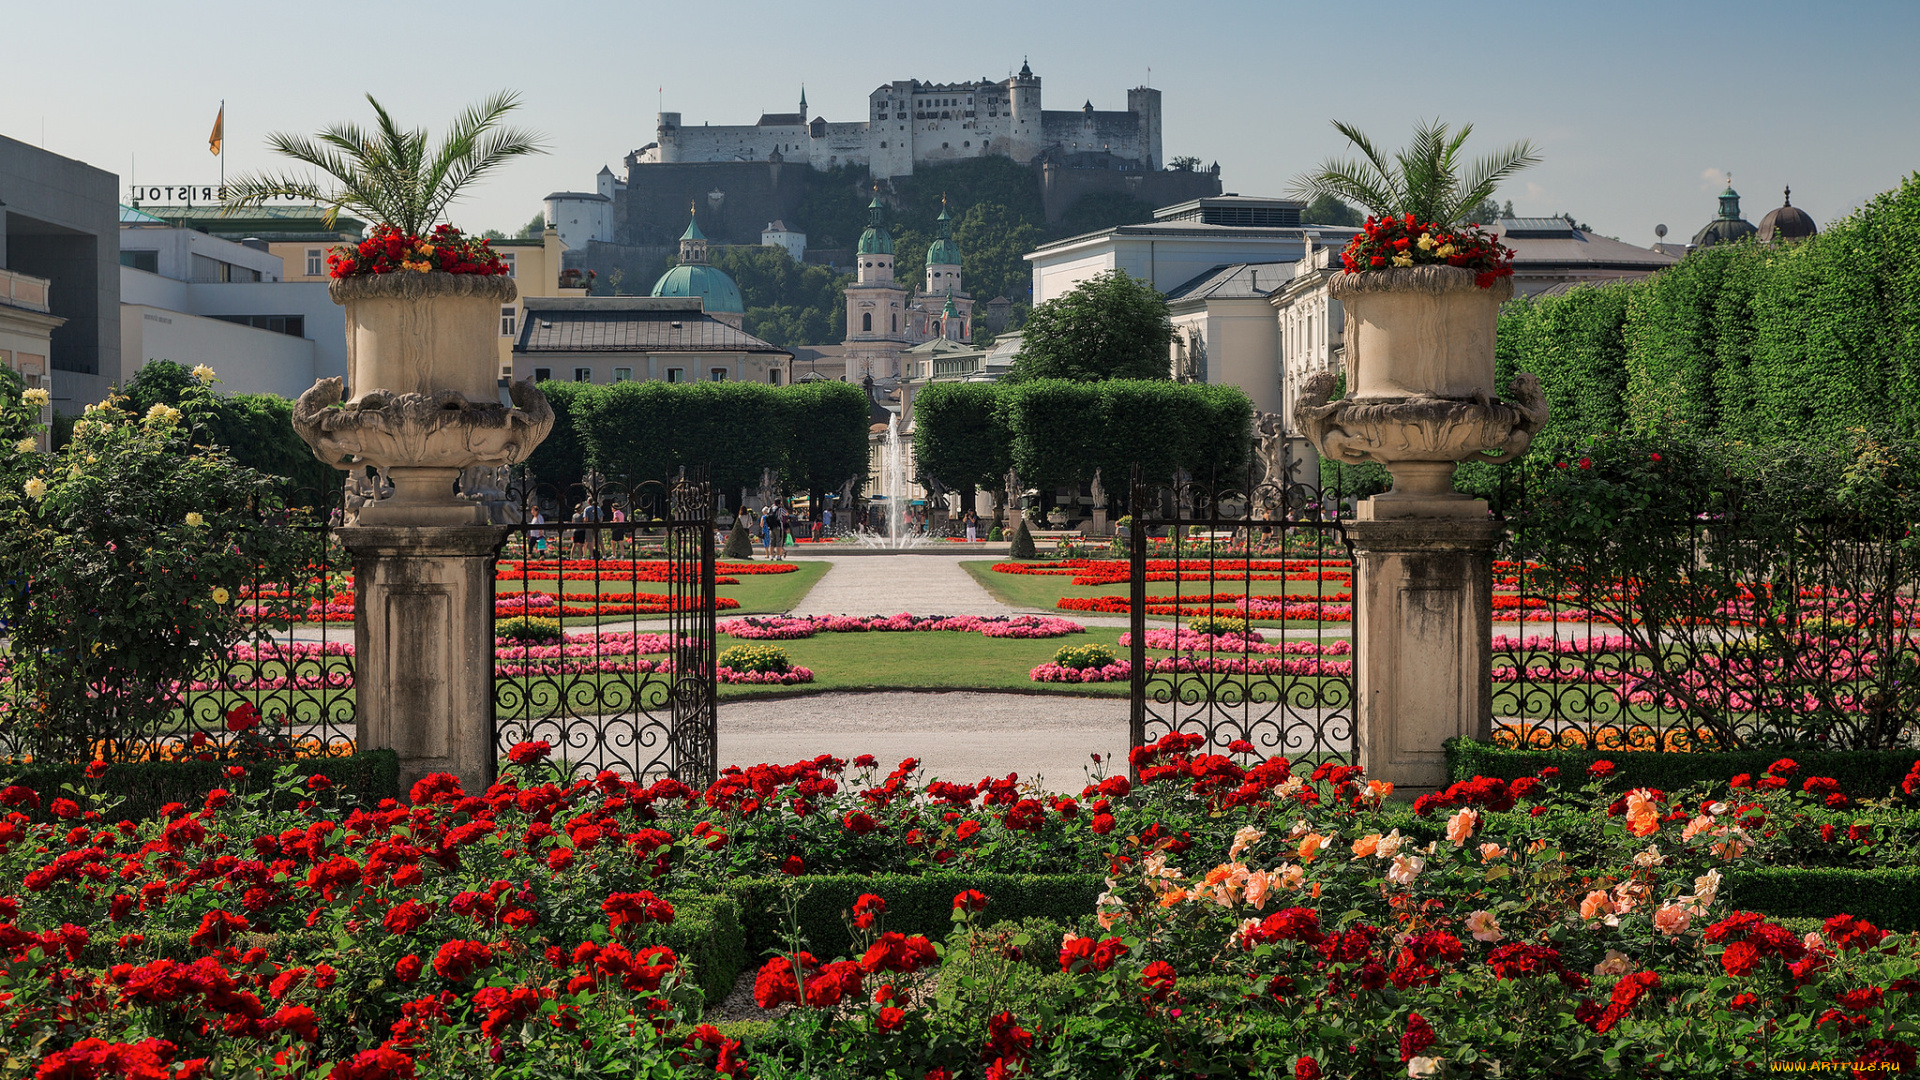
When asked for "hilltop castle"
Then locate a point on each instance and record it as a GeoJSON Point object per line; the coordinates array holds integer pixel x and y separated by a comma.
{"type": "Point", "coordinates": [913, 123]}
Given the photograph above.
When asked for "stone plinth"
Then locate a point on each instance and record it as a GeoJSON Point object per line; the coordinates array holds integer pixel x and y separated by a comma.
{"type": "Point", "coordinates": [1422, 631]}
{"type": "Point", "coordinates": [423, 646]}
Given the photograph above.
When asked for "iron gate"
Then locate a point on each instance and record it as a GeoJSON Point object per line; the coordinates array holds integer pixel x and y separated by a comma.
{"type": "Point", "coordinates": [614, 689]}
{"type": "Point", "coordinates": [1285, 687]}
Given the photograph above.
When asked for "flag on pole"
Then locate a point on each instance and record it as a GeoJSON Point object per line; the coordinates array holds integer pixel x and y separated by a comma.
{"type": "Point", "coordinates": [219, 130]}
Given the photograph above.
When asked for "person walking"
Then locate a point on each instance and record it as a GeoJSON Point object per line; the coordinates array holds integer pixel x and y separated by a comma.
{"type": "Point", "coordinates": [619, 528]}
{"type": "Point", "coordinates": [780, 533]}
{"type": "Point", "coordinates": [766, 531]}
{"type": "Point", "coordinates": [539, 534]}
{"type": "Point", "coordinates": [579, 534]}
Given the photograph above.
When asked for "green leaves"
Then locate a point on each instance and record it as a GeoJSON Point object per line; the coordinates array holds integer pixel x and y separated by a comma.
{"type": "Point", "coordinates": [1110, 326]}
{"type": "Point", "coordinates": [389, 173]}
{"type": "Point", "coordinates": [1430, 179]}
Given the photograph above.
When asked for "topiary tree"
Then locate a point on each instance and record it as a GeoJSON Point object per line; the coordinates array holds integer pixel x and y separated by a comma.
{"type": "Point", "coordinates": [960, 435]}
{"type": "Point", "coordinates": [739, 541]}
{"type": "Point", "coordinates": [1110, 326]}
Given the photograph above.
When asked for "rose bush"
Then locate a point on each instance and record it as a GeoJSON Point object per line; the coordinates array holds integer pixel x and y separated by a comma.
{"type": "Point", "coordinates": [1255, 915]}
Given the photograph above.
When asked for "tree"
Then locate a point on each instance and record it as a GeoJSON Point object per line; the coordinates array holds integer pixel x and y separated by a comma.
{"type": "Point", "coordinates": [1429, 179]}
{"type": "Point", "coordinates": [389, 175]}
{"type": "Point", "coordinates": [1488, 212]}
{"type": "Point", "coordinates": [1327, 210]}
{"type": "Point", "coordinates": [960, 436]}
{"type": "Point", "coordinates": [1111, 326]}
{"type": "Point", "coordinates": [829, 441]}
{"type": "Point", "coordinates": [1184, 163]}
{"type": "Point", "coordinates": [536, 228]}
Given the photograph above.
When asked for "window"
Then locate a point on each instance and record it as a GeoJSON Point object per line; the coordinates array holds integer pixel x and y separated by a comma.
{"type": "Point", "coordinates": [866, 318]}
{"type": "Point", "coordinates": [896, 322]}
{"type": "Point", "coordinates": [542, 374]}
{"type": "Point", "coordinates": [508, 257]}
{"type": "Point", "coordinates": [773, 376]}
{"type": "Point", "coordinates": [675, 374]}
{"type": "Point", "coordinates": [583, 374]}
{"type": "Point", "coordinates": [718, 374]}
{"type": "Point", "coordinates": [623, 374]}
{"type": "Point", "coordinates": [295, 325]}
{"type": "Point", "coordinates": [509, 320]}
{"type": "Point", "coordinates": [316, 262]}
{"type": "Point", "coordinates": [141, 260]}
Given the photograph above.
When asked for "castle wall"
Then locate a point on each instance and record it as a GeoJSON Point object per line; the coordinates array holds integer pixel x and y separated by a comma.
{"type": "Point", "coordinates": [745, 142]}
{"type": "Point", "coordinates": [1116, 133]}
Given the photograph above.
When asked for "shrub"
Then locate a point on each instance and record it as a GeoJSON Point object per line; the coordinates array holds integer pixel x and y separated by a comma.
{"type": "Point", "coordinates": [996, 534]}
{"type": "Point", "coordinates": [762, 658]}
{"type": "Point", "coordinates": [1218, 624]}
{"type": "Point", "coordinates": [739, 541]}
{"type": "Point", "coordinates": [1022, 547]}
{"type": "Point", "coordinates": [144, 787]}
{"type": "Point", "coordinates": [529, 630]}
{"type": "Point", "coordinates": [1081, 657]}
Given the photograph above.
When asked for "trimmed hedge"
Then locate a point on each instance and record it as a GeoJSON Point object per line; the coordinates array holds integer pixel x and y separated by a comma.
{"type": "Point", "coordinates": [916, 903]}
{"type": "Point", "coordinates": [1888, 898]}
{"type": "Point", "coordinates": [706, 932]}
{"type": "Point", "coordinates": [1863, 774]}
{"type": "Point", "coordinates": [146, 786]}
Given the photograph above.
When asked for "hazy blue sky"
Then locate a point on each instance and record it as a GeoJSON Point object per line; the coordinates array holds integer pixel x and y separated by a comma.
{"type": "Point", "coordinates": [1638, 106]}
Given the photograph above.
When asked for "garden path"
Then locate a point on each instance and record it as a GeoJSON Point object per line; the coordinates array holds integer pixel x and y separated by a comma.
{"type": "Point", "coordinates": [891, 584]}
{"type": "Point", "coordinates": [959, 736]}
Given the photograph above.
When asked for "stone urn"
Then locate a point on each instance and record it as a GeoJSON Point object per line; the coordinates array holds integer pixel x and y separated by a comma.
{"type": "Point", "coordinates": [1420, 374]}
{"type": "Point", "coordinates": [421, 357]}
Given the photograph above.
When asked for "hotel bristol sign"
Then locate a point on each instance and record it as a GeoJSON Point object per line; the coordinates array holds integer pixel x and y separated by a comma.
{"type": "Point", "coordinates": [185, 194]}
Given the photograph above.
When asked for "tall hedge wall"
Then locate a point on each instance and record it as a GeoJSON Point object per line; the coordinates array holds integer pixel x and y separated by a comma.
{"type": "Point", "coordinates": [1745, 343]}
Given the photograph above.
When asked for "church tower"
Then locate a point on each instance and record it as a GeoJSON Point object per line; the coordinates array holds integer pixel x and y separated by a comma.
{"type": "Point", "coordinates": [943, 280]}
{"type": "Point", "coordinates": [876, 304]}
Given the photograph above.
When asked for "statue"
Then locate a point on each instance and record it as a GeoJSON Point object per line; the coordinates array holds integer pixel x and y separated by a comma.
{"type": "Point", "coordinates": [1099, 492]}
{"type": "Point", "coordinates": [361, 492]}
{"type": "Point", "coordinates": [1014, 493]}
{"type": "Point", "coordinates": [1270, 456]}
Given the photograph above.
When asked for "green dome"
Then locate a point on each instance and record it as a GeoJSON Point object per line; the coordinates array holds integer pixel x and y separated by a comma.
{"type": "Point", "coordinates": [943, 251]}
{"type": "Point", "coordinates": [710, 284]}
{"type": "Point", "coordinates": [876, 240]}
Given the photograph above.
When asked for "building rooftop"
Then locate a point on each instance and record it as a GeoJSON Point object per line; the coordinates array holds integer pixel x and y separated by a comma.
{"type": "Point", "coordinates": [1562, 244]}
{"type": "Point", "coordinates": [1235, 281]}
{"type": "Point", "coordinates": [584, 196]}
{"type": "Point", "coordinates": [639, 324]}
{"type": "Point", "coordinates": [1240, 210]}
{"type": "Point", "coordinates": [1158, 230]}
{"type": "Point", "coordinates": [279, 222]}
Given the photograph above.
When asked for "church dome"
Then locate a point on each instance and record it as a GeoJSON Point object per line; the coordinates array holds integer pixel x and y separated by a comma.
{"type": "Point", "coordinates": [1729, 226]}
{"type": "Point", "coordinates": [1789, 222]}
{"type": "Point", "coordinates": [710, 284]}
{"type": "Point", "coordinates": [943, 251]}
{"type": "Point", "coordinates": [876, 240]}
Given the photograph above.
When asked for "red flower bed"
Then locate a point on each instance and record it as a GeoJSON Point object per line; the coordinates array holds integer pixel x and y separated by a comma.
{"type": "Point", "coordinates": [1388, 242]}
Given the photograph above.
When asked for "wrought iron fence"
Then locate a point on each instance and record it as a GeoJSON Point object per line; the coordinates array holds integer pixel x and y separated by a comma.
{"type": "Point", "coordinates": [278, 685]}
{"type": "Point", "coordinates": [1734, 624]}
{"type": "Point", "coordinates": [580, 666]}
{"type": "Point", "coordinates": [1241, 614]}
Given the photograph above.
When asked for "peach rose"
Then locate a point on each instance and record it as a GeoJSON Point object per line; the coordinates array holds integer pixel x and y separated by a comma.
{"type": "Point", "coordinates": [1405, 868]}
{"type": "Point", "coordinates": [1597, 903]}
{"type": "Point", "coordinates": [1484, 927]}
{"type": "Point", "coordinates": [1643, 814]}
{"type": "Point", "coordinates": [1258, 883]}
{"type": "Point", "coordinates": [1491, 851]}
{"type": "Point", "coordinates": [1389, 845]}
{"type": "Point", "coordinates": [1671, 919]}
{"type": "Point", "coordinates": [1291, 877]}
{"type": "Point", "coordinates": [1614, 963]}
{"type": "Point", "coordinates": [1243, 838]}
{"type": "Point", "coordinates": [1310, 846]}
{"type": "Point", "coordinates": [1460, 826]}
{"type": "Point", "coordinates": [1366, 845]}
{"type": "Point", "coordinates": [1696, 827]}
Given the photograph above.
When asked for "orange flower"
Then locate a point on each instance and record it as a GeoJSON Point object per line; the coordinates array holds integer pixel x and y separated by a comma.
{"type": "Point", "coordinates": [1597, 903]}
{"type": "Point", "coordinates": [1366, 845]}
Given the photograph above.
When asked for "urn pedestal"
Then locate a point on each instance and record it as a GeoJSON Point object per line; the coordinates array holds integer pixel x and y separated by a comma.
{"type": "Point", "coordinates": [1420, 376]}
{"type": "Point", "coordinates": [421, 404]}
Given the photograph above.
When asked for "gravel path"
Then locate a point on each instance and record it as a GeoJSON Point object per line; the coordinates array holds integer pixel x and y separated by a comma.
{"type": "Point", "coordinates": [890, 584]}
{"type": "Point", "coordinates": [960, 736]}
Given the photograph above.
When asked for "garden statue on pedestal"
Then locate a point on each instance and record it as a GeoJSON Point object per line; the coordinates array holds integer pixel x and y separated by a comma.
{"type": "Point", "coordinates": [422, 306]}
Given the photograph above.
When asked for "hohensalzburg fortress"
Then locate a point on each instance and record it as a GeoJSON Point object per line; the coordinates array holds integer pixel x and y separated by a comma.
{"type": "Point", "coordinates": [913, 123]}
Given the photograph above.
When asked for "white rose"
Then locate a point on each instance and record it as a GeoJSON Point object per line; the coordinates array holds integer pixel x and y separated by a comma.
{"type": "Point", "coordinates": [38, 397]}
{"type": "Point", "coordinates": [1423, 1066]}
{"type": "Point", "coordinates": [36, 489]}
{"type": "Point", "coordinates": [204, 373]}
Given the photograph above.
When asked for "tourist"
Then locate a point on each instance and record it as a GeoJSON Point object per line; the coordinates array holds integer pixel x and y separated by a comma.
{"type": "Point", "coordinates": [766, 530]}
{"type": "Point", "coordinates": [973, 527]}
{"type": "Point", "coordinates": [817, 526]}
{"type": "Point", "coordinates": [539, 535]}
{"type": "Point", "coordinates": [780, 533]}
{"type": "Point", "coordinates": [591, 515]}
{"type": "Point", "coordinates": [619, 528]}
{"type": "Point", "coordinates": [579, 535]}
{"type": "Point", "coordinates": [827, 514]}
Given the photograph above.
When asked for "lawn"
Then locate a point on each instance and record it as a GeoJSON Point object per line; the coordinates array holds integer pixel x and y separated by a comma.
{"type": "Point", "coordinates": [928, 660]}
{"type": "Point", "coordinates": [1041, 592]}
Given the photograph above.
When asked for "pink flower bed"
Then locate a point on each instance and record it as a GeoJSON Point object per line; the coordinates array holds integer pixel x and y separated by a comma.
{"type": "Point", "coordinates": [788, 677]}
{"type": "Point", "coordinates": [788, 627]}
{"type": "Point", "coordinates": [1191, 665]}
{"type": "Point", "coordinates": [1189, 641]}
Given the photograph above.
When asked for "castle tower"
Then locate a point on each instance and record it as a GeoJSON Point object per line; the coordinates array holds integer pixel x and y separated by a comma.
{"type": "Point", "coordinates": [1025, 136]}
{"type": "Point", "coordinates": [1144, 102]}
{"type": "Point", "coordinates": [876, 304]}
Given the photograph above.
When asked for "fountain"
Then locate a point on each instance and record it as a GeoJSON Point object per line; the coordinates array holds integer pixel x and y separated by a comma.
{"type": "Point", "coordinates": [893, 476]}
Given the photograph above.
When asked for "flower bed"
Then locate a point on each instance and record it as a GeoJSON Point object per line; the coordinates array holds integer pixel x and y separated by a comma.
{"type": "Point", "coordinates": [789, 627]}
{"type": "Point", "coordinates": [1225, 915]}
{"type": "Point", "coordinates": [790, 677]}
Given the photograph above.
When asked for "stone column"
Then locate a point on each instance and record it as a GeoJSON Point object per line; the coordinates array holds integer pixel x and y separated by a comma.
{"type": "Point", "coordinates": [1422, 631]}
{"type": "Point", "coordinates": [423, 646]}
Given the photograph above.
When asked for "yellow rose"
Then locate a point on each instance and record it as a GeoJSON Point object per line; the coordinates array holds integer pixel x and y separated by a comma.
{"type": "Point", "coordinates": [1405, 258]}
{"type": "Point", "coordinates": [26, 446]}
{"type": "Point", "coordinates": [1425, 243]}
{"type": "Point", "coordinates": [38, 397]}
{"type": "Point", "coordinates": [36, 489]}
{"type": "Point", "coordinates": [80, 428]}
{"type": "Point", "coordinates": [204, 373]}
{"type": "Point", "coordinates": [1445, 251]}
{"type": "Point", "coordinates": [195, 519]}
{"type": "Point", "coordinates": [220, 595]}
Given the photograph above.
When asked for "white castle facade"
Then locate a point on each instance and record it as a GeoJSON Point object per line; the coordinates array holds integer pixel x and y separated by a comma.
{"type": "Point", "coordinates": [913, 123]}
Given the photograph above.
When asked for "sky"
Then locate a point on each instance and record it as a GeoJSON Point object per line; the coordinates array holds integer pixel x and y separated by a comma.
{"type": "Point", "coordinates": [1640, 109]}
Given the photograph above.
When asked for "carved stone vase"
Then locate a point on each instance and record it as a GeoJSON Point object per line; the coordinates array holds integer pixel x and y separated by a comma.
{"type": "Point", "coordinates": [1420, 376]}
{"type": "Point", "coordinates": [420, 400]}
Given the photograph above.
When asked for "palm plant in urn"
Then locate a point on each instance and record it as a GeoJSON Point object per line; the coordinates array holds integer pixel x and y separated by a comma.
{"type": "Point", "coordinates": [422, 305]}
{"type": "Point", "coordinates": [1422, 292]}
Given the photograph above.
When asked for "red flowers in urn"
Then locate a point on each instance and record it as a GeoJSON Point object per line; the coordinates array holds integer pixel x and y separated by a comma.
{"type": "Point", "coordinates": [389, 250]}
{"type": "Point", "coordinates": [1387, 242]}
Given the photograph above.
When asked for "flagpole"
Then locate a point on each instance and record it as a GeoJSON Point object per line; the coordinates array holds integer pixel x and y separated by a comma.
{"type": "Point", "coordinates": [223, 149]}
